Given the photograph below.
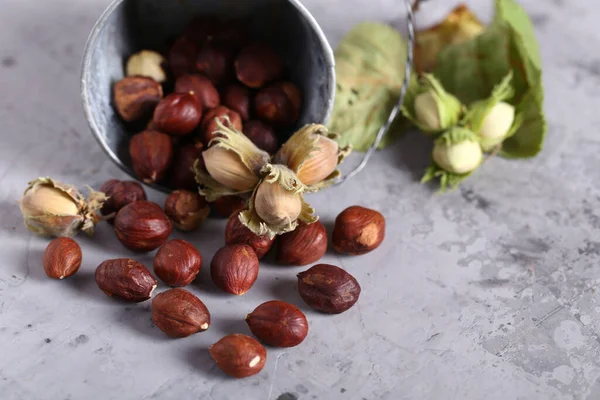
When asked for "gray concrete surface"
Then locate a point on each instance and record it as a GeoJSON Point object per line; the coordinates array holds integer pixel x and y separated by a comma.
{"type": "Point", "coordinates": [489, 292]}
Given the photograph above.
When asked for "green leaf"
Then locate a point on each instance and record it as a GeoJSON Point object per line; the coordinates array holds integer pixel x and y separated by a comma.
{"type": "Point", "coordinates": [370, 64]}
{"type": "Point", "coordinates": [470, 71]}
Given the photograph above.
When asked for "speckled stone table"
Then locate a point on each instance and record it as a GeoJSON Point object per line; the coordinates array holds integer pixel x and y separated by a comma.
{"type": "Point", "coordinates": [489, 292]}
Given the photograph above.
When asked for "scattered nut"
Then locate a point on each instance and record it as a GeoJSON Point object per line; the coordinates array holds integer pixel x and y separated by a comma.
{"type": "Point", "coordinates": [136, 97]}
{"type": "Point", "coordinates": [234, 268]}
{"type": "Point", "coordinates": [262, 135]}
{"type": "Point", "coordinates": [186, 209]}
{"type": "Point", "coordinates": [237, 233]}
{"type": "Point", "coordinates": [278, 324]}
{"type": "Point", "coordinates": [142, 226]}
{"type": "Point", "coordinates": [239, 355]}
{"type": "Point", "coordinates": [328, 289]}
{"type": "Point", "coordinates": [201, 87]}
{"type": "Point", "coordinates": [209, 123]}
{"type": "Point", "coordinates": [227, 205]}
{"type": "Point", "coordinates": [149, 64]}
{"type": "Point", "coordinates": [62, 258]}
{"type": "Point", "coordinates": [182, 57]}
{"type": "Point", "coordinates": [279, 104]}
{"type": "Point", "coordinates": [305, 245]}
{"type": "Point", "coordinates": [178, 114]}
{"type": "Point", "coordinates": [177, 263]}
{"type": "Point", "coordinates": [179, 313]}
{"type": "Point", "coordinates": [358, 230]}
{"type": "Point", "coordinates": [215, 61]}
{"type": "Point", "coordinates": [237, 98]}
{"type": "Point", "coordinates": [125, 279]}
{"type": "Point", "coordinates": [182, 175]}
{"type": "Point", "coordinates": [151, 155]}
{"type": "Point", "coordinates": [120, 193]}
{"type": "Point", "coordinates": [257, 65]}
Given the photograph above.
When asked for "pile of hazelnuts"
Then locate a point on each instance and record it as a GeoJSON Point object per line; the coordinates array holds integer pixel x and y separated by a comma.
{"type": "Point", "coordinates": [213, 70]}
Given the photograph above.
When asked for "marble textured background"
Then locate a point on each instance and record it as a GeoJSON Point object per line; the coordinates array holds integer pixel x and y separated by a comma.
{"type": "Point", "coordinates": [488, 292]}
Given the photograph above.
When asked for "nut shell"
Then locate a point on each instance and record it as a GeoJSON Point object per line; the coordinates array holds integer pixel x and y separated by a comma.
{"type": "Point", "coordinates": [278, 324]}
{"type": "Point", "coordinates": [179, 313]}
{"type": "Point", "coordinates": [305, 245]}
{"type": "Point", "coordinates": [136, 97]}
{"type": "Point", "coordinates": [151, 155]}
{"type": "Point", "coordinates": [237, 233]}
{"type": "Point", "coordinates": [209, 122]}
{"type": "Point", "coordinates": [279, 104]}
{"type": "Point", "coordinates": [201, 87]}
{"type": "Point", "coordinates": [62, 258]}
{"type": "Point", "coordinates": [125, 279]}
{"type": "Point", "coordinates": [142, 226]}
{"type": "Point", "coordinates": [358, 230]}
{"type": "Point", "coordinates": [328, 289]}
{"type": "Point", "coordinates": [177, 263]}
{"type": "Point", "coordinates": [234, 268]}
{"type": "Point", "coordinates": [186, 209]}
{"type": "Point", "coordinates": [239, 355]}
{"type": "Point", "coordinates": [178, 114]}
{"type": "Point", "coordinates": [237, 98]}
{"type": "Point", "coordinates": [258, 64]}
{"type": "Point", "coordinates": [120, 193]}
{"type": "Point", "coordinates": [262, 135]}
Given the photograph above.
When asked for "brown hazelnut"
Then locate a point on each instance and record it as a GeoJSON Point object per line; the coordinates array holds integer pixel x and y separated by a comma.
{"type": "Point", "coordinates": [239, 355]}
{"type": "Point", "coordinates": [179, 313]}
{"type": "Point", "coordinates": [182, 56]}
{"type": "Point", "coordinates": [215, 61]}
{"type": "Point", "coordinates": [305, 245]}
{"type": "Point", "coordinates": [279, 104]}
{"type": "Point", "coordinates": [232, 33]}
{"type": "Point", "coordinates": [62, 258]}
{"type": "Point", "coordinates": [234, 268]}
{"type": "Point", "coordinates": [186, 209]}
{"type": "Point", "coordinates": [177, 263]}
{"type": "Point", "coordinates": [182, 175]}
{"type": "Point", "coordinates": [209, 123]}
{"type": "Point", "coordinates": [151, 155]}
{"type": "Point", "coordinates": [120, 193]}
{"type": "Point", "coordinates": [136, 97]}
{"type": "Point", "coordinates": [225, 206]}
{"type": "Point", "coordinates": [278, 324]}
{"type": "Point", "coordinates": [328, 289]}
{"type": "Point", "coordinates": [257, 64]}
{"type": "Point", "coordinates": [237, 98]}
{"type": "Point", "coordinates": [237, 233]}
{"type": "Point", "coordinates": [125, 279]}
{"type": "Point", "coordinates": [262, 135]}
{"type": "Point", "coordinates": [142, 226]}
{"type": "Point", "coordinates": [178, 114]}
{"type": "Point", "coordinates": [201, 87]}
{"type": "Point", "coordinates": [358, 230]}
{"type": "Point", "coordinates": [200, 29]}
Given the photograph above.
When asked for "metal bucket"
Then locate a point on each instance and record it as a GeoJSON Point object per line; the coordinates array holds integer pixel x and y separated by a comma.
{"type": "Point", "coordinates": [128, 26]}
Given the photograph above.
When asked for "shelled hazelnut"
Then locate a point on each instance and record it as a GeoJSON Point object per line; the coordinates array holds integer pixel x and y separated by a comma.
{"type": "Point", "coordinates": [227, 205]}
{"type": "Point", "coordinates": [142, 226]}
{"type": "Point", "coordinates": [209, 123]}
{"type": "Point", "coordinates": [120, 194]}
{"type": "Point", "coordinates": [62, 258]}
{"type": "Point", "coordinates": [279, 104]}
{"type": "Point", "coordinates": [181, 174]}
{"type": "Point", "coordinates": [125, 279]}
{"type": "Point", "coordinates": [328, 289]}
{"type": "Point", "coordinates": [239, 355]}
{"type": "Point", "coordinates": [200, 87]}
{"type": "Point", "coordinates": [234, 268]}
{"type": "Point", "coordinates": [237, 98]}
{"type": "Point", "coordinates": [177, 263]}
{"type": "Point", "coordinates": [258, 64]}
{"type": "Point", "coordinates": [215, 61]}
{"type": "Point", "coordinates": [358, 230]}
{"type": "Point", "coordinates": [151, 155]}
{"type": "Point", "coordinates": [262, 135]}
{"type": "Point", "coordinates": [237, 233]}
{"type": "Point", "coordinates": [178, 114]}
{"type": "Point", "coordinates": [278, 324]}
{"type": "Point", "coordinates": [136, 97]}
{"type": "Point", "coordinates": [305, 245]}
{"type": "Point", "coordinates": [186, 209]}
{"type": "Point", "coordinates": [178, 313]}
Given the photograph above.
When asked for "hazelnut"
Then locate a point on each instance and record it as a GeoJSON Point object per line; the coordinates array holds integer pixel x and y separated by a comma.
{"type": "Point", "coordinates": [209, 123]}
{"type": "Point", "coordinates": [177, 263]}
{"type": "Point", "coordinates": [237, 98]}
{"type": "Point", "coordinates": [262, 135]}
{"type": "Point", "coordinates": [215, 61]}
{"type": "Point", "coordinates": [305, 245]}
{"type": "Point", "coordinates": [179, 313]}
{"type": "Point", "coordinates": [232, 33]}
{"type": "Point", "coordinates": [279, 104]}
{"type": "Point", "coordinates": [178, 114]}
{"type": "Point", "coordinates": [151, 155]}
{"type": "Point", "coordinates": [257, 64]}
{"type": "Point", "coordinates": [62, 258]}
{"type": "Point", "coordinates": [186, 209]}
{"type": "Point", "coordinates": [239, 355]}
{"type": "Point", "coordinates": [278, 324]}
{"type": "Point", "coordinates": [182, 175]}
{"type": "Point", "coordinates": [200, 29]}
{"type": "Point", "coordinates": [120, 193]}
{"type": "Point", "coordinates": [147, 63]}
{"type": "Point", "coordinates": [358, 230]}
{"type": "Point", "coordinates": [142, 226]}
{"type": "Point", "coordinates": [234, 268]}
{"type": "Point", "coordinates": [136, 97]}
{"type": "Point", "coordinates": [182, 56]}
{"type": "Point", "coordinates": [125, 279]}
{"type": "Point", "coordinates": [328, 289]}
{"type": "Point", "coordinates": [225, 206]}
{"type": "Point", "coordinates": [237, 233]}
{"type": "Point", "coordinates": [201, 87]}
